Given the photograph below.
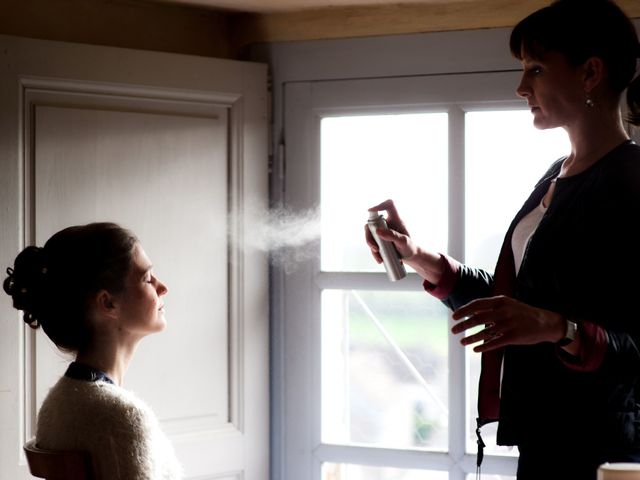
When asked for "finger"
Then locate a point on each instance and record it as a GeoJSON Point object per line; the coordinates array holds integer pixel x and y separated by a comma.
{"type": "Point", "coordinates": [400, 241]}
{"type": "Point", "coordinates": [480, 318]}
{"type": "Point", "coordinates": [478, 305]}
{"type": "Point", "coordinates": [387, 205]}
{"type": "Point", "coordinates": [485, 335]}
{"type": "Point", "coordinates": [373, 245]}
{"type": "Point", "coordinates": [393, 217]}
{"type": "Point", "coordinates": [493, 344]}
{"type": "Point", "coordinates": [388, 234]}
{"type": "Point", "coordinates": [470, 322]}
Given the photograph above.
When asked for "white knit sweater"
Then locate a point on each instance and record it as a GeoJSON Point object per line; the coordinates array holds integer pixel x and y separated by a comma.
{"type": "Point", "coordinates": [119, 431]}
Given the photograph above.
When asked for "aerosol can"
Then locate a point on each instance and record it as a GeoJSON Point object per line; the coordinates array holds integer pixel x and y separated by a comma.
{"type": "Point", "coordinates": [390, 256]}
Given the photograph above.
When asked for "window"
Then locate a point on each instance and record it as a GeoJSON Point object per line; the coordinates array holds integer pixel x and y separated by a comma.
{"type": "Point", "coordinates": [384, 354]}
{"type": "Point", "coordinates": [376, 385]}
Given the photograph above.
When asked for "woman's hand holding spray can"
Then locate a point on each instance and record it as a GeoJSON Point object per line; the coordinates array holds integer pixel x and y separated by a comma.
{"type": "Point", "coordinates": [390, 256]}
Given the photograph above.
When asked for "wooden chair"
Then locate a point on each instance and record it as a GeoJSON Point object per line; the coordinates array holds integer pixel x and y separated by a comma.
{"type": "Point", "coordinates": [57, 465]}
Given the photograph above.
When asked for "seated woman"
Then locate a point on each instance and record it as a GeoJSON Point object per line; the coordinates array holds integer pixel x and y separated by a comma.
{"type": "Point", "coordinates": [92, 290]}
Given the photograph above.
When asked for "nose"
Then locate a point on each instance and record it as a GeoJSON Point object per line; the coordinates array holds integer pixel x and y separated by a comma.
{"type": "Point", "coordinates": [523, 90]}
{"type": "Point", "coordinates": [161, 288]}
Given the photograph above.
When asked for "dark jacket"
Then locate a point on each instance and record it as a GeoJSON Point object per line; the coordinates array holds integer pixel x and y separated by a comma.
{"type": "Point", "coordinates": [583, 262]}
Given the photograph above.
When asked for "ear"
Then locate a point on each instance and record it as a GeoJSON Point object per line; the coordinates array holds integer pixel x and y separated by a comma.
{"type": "Point", "coordinates": [106, 304]}
{"type": "Point", "coordinates": [594, 72]}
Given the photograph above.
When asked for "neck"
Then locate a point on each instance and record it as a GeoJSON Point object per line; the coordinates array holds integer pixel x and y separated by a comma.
{"type": "Point", "coordinates": [112, 357]}
{"type": "Point", "coordinates": [592, 139]}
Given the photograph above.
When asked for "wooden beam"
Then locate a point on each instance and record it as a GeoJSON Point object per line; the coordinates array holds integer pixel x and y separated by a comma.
{"type": "Point", "coordinates": [120, 23]}
{"type": "Point", "coordinates": [393, 19]}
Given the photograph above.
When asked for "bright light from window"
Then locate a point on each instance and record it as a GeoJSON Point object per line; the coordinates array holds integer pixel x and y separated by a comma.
{"type": "Point", "coordinates": [384, 369]}
{"type": "Point", "coordinates": [370, 394]}
{"type": "Point", "coordinates": [505, 155]}
{"type": "Point", "coordinates": [368, 159]}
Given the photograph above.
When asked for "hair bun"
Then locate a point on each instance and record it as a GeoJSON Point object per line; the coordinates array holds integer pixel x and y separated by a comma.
{"type": "Point", "coordinates": [26, 283]}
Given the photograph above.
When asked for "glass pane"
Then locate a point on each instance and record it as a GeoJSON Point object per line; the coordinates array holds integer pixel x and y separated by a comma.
{"type": "Point", "coordinates": [488, 431]}
{"type": "Point", "coordinates": [505, 156]}
{"type": "Point", "coordinates": [384, 369]}
{"type": "Point", "coordinates": [343, 471]}
{"type": "Point", "coordinates": [368, 159]}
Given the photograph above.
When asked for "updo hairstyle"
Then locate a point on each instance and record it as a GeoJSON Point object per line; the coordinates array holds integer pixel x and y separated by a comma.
{"type": "Point", "coordinates": [579, 30]}
{"type": "Point", "coordinates": [53, 285]}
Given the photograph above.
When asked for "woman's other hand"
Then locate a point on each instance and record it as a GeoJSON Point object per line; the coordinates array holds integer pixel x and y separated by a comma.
{"type": "Point", "coordinates": [506, 322]}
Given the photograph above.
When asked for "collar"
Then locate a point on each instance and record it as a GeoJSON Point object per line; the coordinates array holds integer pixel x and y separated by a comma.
{"type": "Point", "coordinates": [80, 371]}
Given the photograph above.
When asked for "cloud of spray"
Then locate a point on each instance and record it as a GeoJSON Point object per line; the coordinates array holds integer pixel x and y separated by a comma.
{"type": "Point", "coordinates": [289, 237]}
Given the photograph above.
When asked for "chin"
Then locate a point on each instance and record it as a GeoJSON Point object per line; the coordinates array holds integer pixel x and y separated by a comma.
{"type": "Point", "coordinates": [543, 124]}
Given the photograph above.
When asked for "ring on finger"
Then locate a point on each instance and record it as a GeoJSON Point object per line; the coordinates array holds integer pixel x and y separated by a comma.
{"type": "Point", "coordinates": [492, 333]}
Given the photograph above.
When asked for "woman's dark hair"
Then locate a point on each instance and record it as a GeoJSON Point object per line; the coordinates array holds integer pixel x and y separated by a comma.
{"type": "Point", "coordinates": [579, 30]}
{"type": "Point", "coordinates": [52, 285]}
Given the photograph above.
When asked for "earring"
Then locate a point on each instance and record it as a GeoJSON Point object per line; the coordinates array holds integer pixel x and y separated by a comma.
{"type": "Point", "coordinates": [589, 103]}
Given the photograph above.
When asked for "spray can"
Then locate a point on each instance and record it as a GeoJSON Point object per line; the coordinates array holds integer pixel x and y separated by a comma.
{"type": "Point", "coordinates": [390, 256]}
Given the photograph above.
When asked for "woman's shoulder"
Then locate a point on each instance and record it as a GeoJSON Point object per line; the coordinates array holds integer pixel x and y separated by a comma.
{"type": "Point", "coordinates": [624, 164]}
{"type": "Point", "coordinates": [627, 153]}
{"type": "Point", "coordinates": [110, 422]}
{"type": "Point", "coordinates": [102, 401]}
{"type": "Point", "coordinates": [617, 178]}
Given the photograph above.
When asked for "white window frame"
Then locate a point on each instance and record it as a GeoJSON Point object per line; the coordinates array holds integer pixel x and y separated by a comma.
{"type": "Point", "coordinates": [306, 103]}
{"type": "Point", "coordinates": [292, 457]}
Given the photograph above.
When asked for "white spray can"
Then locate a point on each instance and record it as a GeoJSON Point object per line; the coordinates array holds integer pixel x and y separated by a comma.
{"type": "Point", "coordinates": [390, 256]}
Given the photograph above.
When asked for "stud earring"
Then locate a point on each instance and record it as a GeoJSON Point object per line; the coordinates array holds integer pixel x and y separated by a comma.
{"type": "Point", "coordinates": [589, 103]}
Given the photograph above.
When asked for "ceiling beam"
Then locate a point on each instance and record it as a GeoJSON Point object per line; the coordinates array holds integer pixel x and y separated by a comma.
{"type": "Point", "coordinates": [393, 19]}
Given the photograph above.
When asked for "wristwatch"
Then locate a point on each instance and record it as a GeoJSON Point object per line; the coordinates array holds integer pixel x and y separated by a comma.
{"type": "Point", "coordinates": [570, 333]}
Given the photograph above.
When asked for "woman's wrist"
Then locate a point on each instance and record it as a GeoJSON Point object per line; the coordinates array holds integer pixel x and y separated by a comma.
{"type": "Point", "coordinates": [428, 265]}
{"type": "Point", "coordinates": [569, 339]}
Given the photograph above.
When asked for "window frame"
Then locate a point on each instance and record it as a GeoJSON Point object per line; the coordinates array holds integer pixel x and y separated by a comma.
{"type": "Point", "coordinates": [291, 63]}
{"type": "Point", "coordinates": [306, 103]}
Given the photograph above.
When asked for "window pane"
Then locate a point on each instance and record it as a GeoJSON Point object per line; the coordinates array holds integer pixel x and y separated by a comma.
{"type": "Point", "coordinates": [368, 159]}
{"type": "Point", "coordinates": [384, 369]}
{"type": "Point", "coordinates": [344, 471]}
{"type": "Point", "coordinates": [505, 155]}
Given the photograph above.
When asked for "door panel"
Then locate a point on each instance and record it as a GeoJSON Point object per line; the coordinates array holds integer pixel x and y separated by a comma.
{"type": "Point", "coordinates": [172, 147]}
{"type": "Point", "coordinates": [163, 176]}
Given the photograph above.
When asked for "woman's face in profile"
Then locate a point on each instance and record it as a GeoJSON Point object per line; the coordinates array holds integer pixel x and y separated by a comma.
{"type": "Point", "coordinates": [553, 90]}
{"type": "Point", "coordinates": [141, 304]}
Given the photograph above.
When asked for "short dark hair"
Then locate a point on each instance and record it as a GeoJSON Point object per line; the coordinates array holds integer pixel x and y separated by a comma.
{"type": "Point", "coordinates": [579, 30]}
{"type": "Point", "coordinates": [53, 285]}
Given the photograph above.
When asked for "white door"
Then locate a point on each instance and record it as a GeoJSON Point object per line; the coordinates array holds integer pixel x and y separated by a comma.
{"type": "Point", "coordinates": [172, 147]}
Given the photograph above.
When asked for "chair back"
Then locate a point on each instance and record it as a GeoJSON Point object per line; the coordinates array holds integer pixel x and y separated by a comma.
{"type": "Point", "coordinates": [57, 465]}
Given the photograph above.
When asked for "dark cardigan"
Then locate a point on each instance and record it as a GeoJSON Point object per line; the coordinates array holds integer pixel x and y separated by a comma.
{"type": "Point", "coordinates": [583, 262]}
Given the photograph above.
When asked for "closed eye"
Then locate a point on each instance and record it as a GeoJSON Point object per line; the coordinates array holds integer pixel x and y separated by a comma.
{"type": "Point", "coordinates": [148, 276]}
